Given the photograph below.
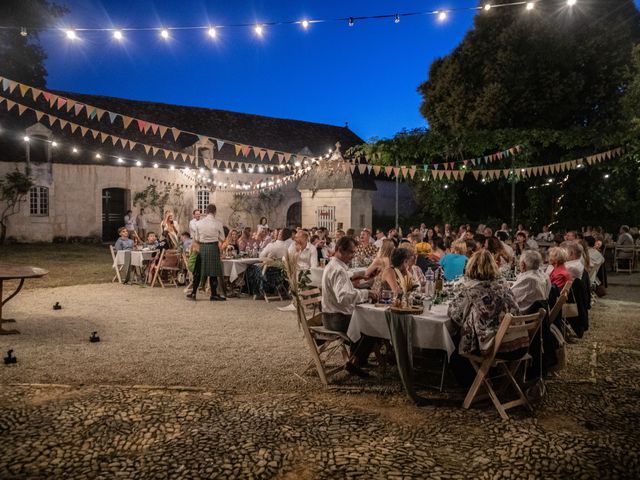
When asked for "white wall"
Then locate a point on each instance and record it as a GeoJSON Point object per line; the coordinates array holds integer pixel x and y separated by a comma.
{"type": "Point", "coordinates": [349, 203]}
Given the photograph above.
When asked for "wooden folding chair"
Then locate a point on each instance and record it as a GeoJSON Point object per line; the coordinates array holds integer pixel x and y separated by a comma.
{"type": "Point", "coordinates": [323, 344]}
{"type": "Point", "coordinates": [169, 262]}
{"type": "Point", "coordinates": [562, 299]}
{"type": "Point", "coordinates": [116, 267]}
{"type": "Point", "coordinates": [508, 368]}
{"type": "Point", "coordinates": [626, 250]}
{"type": "Point", "coordinates": [277, 295]}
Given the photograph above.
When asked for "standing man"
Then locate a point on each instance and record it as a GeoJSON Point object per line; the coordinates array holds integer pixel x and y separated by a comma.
{"type": "Point", "coordinates": [209, 232]}
{"type": "Point", "coordinates": [130, 223]}
{"type": "Point", "coordinates": [193, 221]}
{"type": "Point", "coordinates": [141, 222]}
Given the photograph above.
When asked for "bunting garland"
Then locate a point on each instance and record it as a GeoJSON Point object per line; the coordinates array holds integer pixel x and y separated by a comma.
{"type": "Point", "coordinates": [147, 128]}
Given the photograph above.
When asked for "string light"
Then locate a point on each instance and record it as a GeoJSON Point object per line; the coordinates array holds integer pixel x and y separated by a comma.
{"type": "Point", "coordinates": [606, 175]}
{"type": "Point", "coordinates": [138, 163]}
{"type": "Point", "coordinates": [26, 138]}
{"type": "Point", "coordinates": [120, 160]}
{"type": "Point", "coordinates": [305, 24]}
{"type": "Point", "coordinates": [172, 167]}
{"type": "Point", "coordinates": [442, 16]}
{"type": "Point", "coordinates": [74, 150]}
{"type": "Point", "coordinates": [54, 144]}
{"type": "Point", "coordinates": [259, 30]}
{"type": "Point", "coordinates": [397, 19]}
{"type": "Point", "coordinates": [212, 32]}
{"type": "Point", "coordinates": [351, 21]}
{"type": "Point", "coordinates": [71, 34]}
{"type": "Point", "coordinates": [164, 33]}
{"type": "Point", "coordinates": [530, 5]}
{"type": "Point", "coordinates": [571, 3]}
{"type": "Point", "coordinates": [98, 156]}
{"type": "Point", "coordinates": [487, 7]}
{"type": "Point", "coordinates": [118, 35]}
{"type": "Point", "coordinates": [155, 165]}
{"type": "Point", "coordinates": [23, 31]}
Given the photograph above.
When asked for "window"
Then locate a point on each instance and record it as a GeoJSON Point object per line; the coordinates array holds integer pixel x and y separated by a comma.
{"type": "Point", "coordinates": [38, 150]}
{"type": "Point", "coordinates": [361, 220]}
{"type": "Point", "coordinates": [39, 201]}
{"type": "Point", "coordinates": [202, 200]}
{"type": "Point", "coordinates": [326, 217]}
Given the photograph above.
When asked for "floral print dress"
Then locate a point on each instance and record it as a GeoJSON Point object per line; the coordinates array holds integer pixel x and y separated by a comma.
{"type": "Point", "coordinates": [477, 309]}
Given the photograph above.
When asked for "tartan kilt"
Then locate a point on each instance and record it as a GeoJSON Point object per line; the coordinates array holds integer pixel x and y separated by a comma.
{"type": "Point", "coordinates": [210, 262]}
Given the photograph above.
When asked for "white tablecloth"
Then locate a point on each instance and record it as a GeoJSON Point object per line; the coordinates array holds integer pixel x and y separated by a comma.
{"type": "Point", "coordinates": [138, 257]}
{"type": "Point", "coordinates": [430, 329]}
{"type": "Point", "coordinates": [316, 274]}
{"type": "Point", "coordinates": [233, 268]}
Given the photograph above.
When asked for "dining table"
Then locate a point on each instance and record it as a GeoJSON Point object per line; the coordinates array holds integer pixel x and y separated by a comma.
{"type": "Point", "coordinates": [139, 258]}
{"type": "Point", "coordinates": [20, 273]}
{"type": "Point", "coordinates": [234, 267]}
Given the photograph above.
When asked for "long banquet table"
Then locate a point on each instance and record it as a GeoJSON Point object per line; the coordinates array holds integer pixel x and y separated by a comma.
{"type": "Point", "coordinates": [234, 267]}
{"type": "Point", "coordinates": [430, 328]}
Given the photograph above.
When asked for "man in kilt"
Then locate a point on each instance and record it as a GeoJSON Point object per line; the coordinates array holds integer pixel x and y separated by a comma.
{"type": "Point", "coordinates": [209, 232]}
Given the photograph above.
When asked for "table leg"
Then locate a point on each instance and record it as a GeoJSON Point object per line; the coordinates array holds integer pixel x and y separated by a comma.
{"type": "Point", "coordinates": [2, 302]}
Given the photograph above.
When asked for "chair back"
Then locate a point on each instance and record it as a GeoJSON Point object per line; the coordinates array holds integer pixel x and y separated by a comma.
{"type": "Point", "coordinates": [114, 253]}
{"type": "Point", "coordinates": [562, 299]}
{"type": "Point", "coordinates": [311, 303]}
{"type": "Point", "coordinates": [515, 326]}
{"type": "Point", "coordinates": [170, 259]}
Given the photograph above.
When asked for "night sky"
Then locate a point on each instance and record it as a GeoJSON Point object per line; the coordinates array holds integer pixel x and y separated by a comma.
{"type": "Point", "coordinates": [365, 75]}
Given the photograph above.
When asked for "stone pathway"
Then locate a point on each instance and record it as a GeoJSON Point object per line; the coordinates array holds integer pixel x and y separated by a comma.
{"type": "Point", "coordinates": [586, 427]}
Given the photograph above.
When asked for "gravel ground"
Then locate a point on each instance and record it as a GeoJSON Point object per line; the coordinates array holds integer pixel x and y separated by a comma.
{"type": "Point", "coordinates": [252, 417]}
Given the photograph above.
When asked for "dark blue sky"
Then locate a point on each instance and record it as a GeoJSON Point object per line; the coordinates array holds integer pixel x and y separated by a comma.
{"type": "Point", "coordinates": [366, 75]}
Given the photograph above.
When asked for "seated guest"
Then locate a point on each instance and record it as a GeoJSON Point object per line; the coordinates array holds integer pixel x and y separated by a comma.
{"type": "Point", "coordinates": [479, 306]}
{"type": "Point", "coordinates": [437, 250]}
{"type": "Point", "coordinates": [186, 241]}
{"type": "Point", "coordinates": [379, 265]}
{"type": "Point", "coordinates": [231, 242]}
{"type": "Point", "coordinates": [488, 233]}
{"type": "Point", "coordinates": [453, 263]}
{"type": "Point", "coordinates": [278, 249]}
{"type": "Point", "coordinates": [262, 238]}
{"type": "Point", "coordinates": [400, 267]}
{"type": "Point", "coordinates": [380, 237]}
{"type": "Point", "coordinates": [574, 263]}
{"type": "Point", "coordinates": [169, 229]}
{"type": "Point", "coordinates": [365, 251]}
{"type": "Point", "coordinates": [596, 260]}
{"type": "Point", "coordinates": [558, 273]}
{"type": "Point", "coordinates": [479, 240]}
{"type": "Point", "coordinates": [339, 298]}
{"type": "Point", "coordinates": [245, 242]}
{"type": "Point", "coordinates": [319, 245]}
{"type": "Point", "coordinates": [546, 235]}
{"type": "Point", "coordinates": [520, 244]}
{"type": "Point", "coordinates": [423, 260]}
{"type": "Point", "coordinates": [152, 241]}
{"type": "Point", "coordinates": [124, 242]}
{"type": "Point", "coordinates": [307, 254]}
{"type": "Point", "coordinates": [570, 235]}
{"type": "Point", "coordinates": [625, 240]}
{"type": "Point", "coordinates": [500, 255]}
{"type": "Point", "coordinates": [416, 273]}
{"type": "Point", "coordinates": [430, 236]}
{"type": "Point", "coordinates": [531, 284]}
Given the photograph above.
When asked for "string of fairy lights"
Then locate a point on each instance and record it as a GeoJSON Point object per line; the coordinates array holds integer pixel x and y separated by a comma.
{"type": "Point", "coordinates": [259, 29]}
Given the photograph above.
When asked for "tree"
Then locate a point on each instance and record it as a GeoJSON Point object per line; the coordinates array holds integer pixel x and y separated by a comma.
{"type": "Point", "coordinates": [13, 189]}
{"type": "Point", "coordinates": [21, 57]}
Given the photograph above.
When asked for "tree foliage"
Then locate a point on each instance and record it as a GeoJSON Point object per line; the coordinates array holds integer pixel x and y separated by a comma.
{"type": "Point", "coordinates": [13, 189]}
{"type": "Point", "coordinates": [21, 57]}
{"type": "Point", "coordinates": [561, 81]}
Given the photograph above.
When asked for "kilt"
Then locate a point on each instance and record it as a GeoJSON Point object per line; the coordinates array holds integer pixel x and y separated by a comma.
{"type": "Point", "coordinates": [210, 260]}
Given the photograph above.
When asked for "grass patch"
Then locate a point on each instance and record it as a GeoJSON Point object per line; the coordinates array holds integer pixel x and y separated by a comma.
{"type": "Point", "coordinates": [68, 264]}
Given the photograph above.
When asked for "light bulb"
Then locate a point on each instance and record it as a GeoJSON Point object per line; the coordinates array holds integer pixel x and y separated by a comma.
{"type": "Point", "coordinates": [442, 16]}
{"type": "Point", "coordinates": [26, 139]}
{"type": "Point", "coordinates": [71, 34]}
{"type": "Point", "coordinates": [397, 19]}
{"type": "Point", "coordinates": [571, 3]}
{"type": "Point", "coordinates": [54, 144]}
{"type": "Point", "coordinates": [228, 170]}
{"type": "Point", "coordinates": [172, 167]}
{"type": "Point", "coordinates": [138, 163]}
{"type": "Point", "coordinates": [258, 29]}
{"type": "Point", "coordinates": [98, 155]}
{"type": "Point", "coordinates": [120, 160]}
{"type": "Point", "coordinates": [23, 31]}
{"type": "Point", "coordinates": [351, 21]}
{"type": "Point", "coordinates": [215, 170]}
{"type": "Point", "coordinates": [155, 165]}
{"type": "Point", "coordinates": [118, 35]}
{"type": "Point", "coordinates": [530, 5]}
{"type": "Point", "coordinates": [261, 169]}
{"type": "Point", "coordinates": [164, 33]}
{"type": "Point", "coordinates": [487, 7]}
{"type": "Point", "coordinates": [305, 24]}
{"type": "Point", "coordinates": [74, 150]}
{"type": "Point", "coordinates": [212, 32]}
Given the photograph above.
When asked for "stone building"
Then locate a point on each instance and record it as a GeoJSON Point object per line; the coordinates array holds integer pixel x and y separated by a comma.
{"type": "Point", "coordinates": [83, 186]}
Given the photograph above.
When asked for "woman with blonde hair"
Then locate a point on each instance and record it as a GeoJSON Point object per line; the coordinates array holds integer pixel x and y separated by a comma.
{"type": "Point", "coordinates": [380, 263]}
{"type": "Point", "coordinates": [453, 263]}
{"type": "Point", "coordinates": [558, 273]}
{"type": "Point", "coordinates": [170, 231]}
{"type": "Point", "coordinates": [481, 302]}
{"type": "Point", "coordinates": [231, 240]}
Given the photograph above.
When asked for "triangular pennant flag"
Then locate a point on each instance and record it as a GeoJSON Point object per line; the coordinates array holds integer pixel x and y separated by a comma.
{"type": "Point", "coordinates": [280, 157]}
{"type": "Point", "coordinates": [95, 133]}
{"type": "Point", "coordinates": [103, 137]}
{"type": "Point", "coordinates": [21, 109]}
{"type": "Point", "coordinates": [154, 128]}
{"type": "Point", "coordinates": [435, 166]}
{"type": "Point", "coordinates": [114, 140]}
{"type": "Point", "coordinates": [112, 117]}
{"type": "Point", "coordinates": [52, 100]}
{"type": "Point", "coordinates": [141, 124]}
{"type": "Point", "coordinates": [154, 150]}
{"type": "Point", "coordinates": [376, 170]}
{"type": "Point", "coordinates": [166, 153]}
{"type": "Point", "coordinates": [404, 171]}
{"type": "Point", "coordinates": [46, 95]}
{"type": "Point", "coordinates": [70, 104]}
{"type": "Point", "coordinates": [83, 130]}
{"type": "Point", "coordinates": [132, 145]}
{"type": "Point", "coordinates": [78, 108]}
{"type": "Point", "coordinates": [505, 172]}
{"type": "Point", "coordinates": [412, 171]}
{"type": "Point", "coordinates": [388, 170]}
{"type": "Point", "coordinates": [352, 167]}
{"type": "Point", "coordinates": [147, 148]}
{"type": "Point", "coordinates": [448, 174]}
{"type": "Point", "coordinates": [362, 168]}
{"type": "Point", "coordinates": [39, 115]}
{"type": "Point", "coordinates": [369, 167]}
{"type": "Point", "coordinates": [452, 164]}
{"type": "Point", "coordinates": [219, 144]}
{"type": "Point", "coordinates": [147, 126]}
{"type": "Point", "coordinates": [287, 157]}
{"type": "Point", "coordinates": [446, 166]}
{"type": "Point", "coordinates": [23, 90]}
{"type": "Point", "coordinates": [238, 148]}
{"type": "Point", "coordinates": [176, 133]}
{"type": "Point", "coordinates": [262, 154]}
{"type": "Point", "coordinates": [126, 121]}
{"type": "Point", "coordinates": [5, 84]}
{"type": "Point", "coordinates": [92, 114]}
{"type": "Point", "coordinates": [52, 120]}
{"type": "Point", "coordinates": [63, 123]}
{"type": "Point", "coordinates": [35, 93]}
{"type": "Point", "coordinates": [99, 113]}
{"type": "Point", "coordinates": [12, 86]}
{"type": "Point", "coordinates": [476, 174]}
{"type": "Point", "coordinates": [270, 154]}
{"type": "Point", "coordinates": [163, 130]}
{"type": "Point", "coordinates": [256, 151]}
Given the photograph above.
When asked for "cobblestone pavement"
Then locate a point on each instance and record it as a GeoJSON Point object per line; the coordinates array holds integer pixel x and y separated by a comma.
{"type": "Point", "coordinates": [586, 426]}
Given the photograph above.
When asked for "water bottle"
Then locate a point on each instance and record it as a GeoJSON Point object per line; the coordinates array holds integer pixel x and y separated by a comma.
{"type": "Point", "coordinates": [439, 280]}
{"type": "Point", "coordinates": [429, 287]}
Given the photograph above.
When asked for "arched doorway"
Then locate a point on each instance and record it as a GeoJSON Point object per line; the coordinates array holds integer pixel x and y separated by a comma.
{"type": "Point", "coordinates": [294, 215]}
{"type": "Point", "coordinates": [114, 202]}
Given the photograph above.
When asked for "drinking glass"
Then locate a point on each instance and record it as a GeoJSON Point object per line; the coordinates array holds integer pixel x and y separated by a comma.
{"type": "Point", "coordinates": [386, 296]}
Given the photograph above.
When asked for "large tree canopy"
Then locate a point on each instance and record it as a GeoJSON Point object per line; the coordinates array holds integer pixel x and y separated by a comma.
{"type": "Point", "coordinates": [553, 67]}
{"type": "Point", "coordinates": [21, 57]}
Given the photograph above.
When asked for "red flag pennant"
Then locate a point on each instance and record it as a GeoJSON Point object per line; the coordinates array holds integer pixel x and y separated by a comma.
{"type": "Point", "coordinates": [245, 150]}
